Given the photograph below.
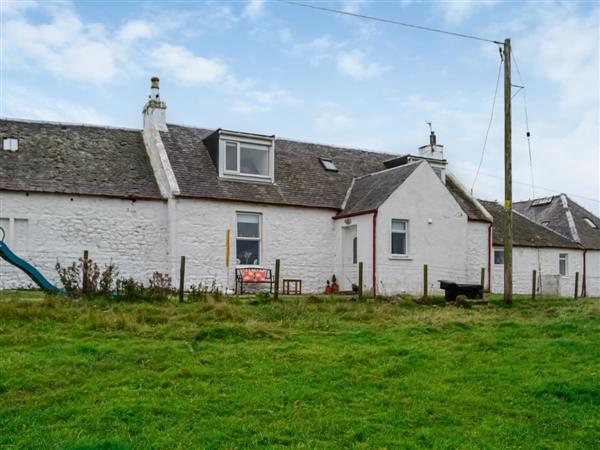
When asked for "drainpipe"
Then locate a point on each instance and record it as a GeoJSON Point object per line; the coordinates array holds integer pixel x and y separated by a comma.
{"type": "Point", "coordinates": [583, 284]}
{"type": "Point", "coordinates": [374, 281]}
{"type": "Point", "coordinates": [489, 259]}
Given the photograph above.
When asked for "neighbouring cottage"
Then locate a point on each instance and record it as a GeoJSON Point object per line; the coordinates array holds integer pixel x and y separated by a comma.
{"type": "Point", "coordinates": [143, 198]}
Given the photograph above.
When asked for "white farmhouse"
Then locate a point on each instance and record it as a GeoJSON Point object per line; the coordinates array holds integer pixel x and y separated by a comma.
{"type": "Point", "coordinates": [144, 198]}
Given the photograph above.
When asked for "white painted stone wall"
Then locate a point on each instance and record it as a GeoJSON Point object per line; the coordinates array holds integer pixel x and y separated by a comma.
{"type": "Point", "coordinates": [478, 248]}
{"type": "Point", "coordinates": [131, 234]}
{"type": "Point", "coordinates": [438, 234]}
{"type": "Point", "coordinates": [545, 261]}
{"type": "Point", "coordinates": [593, 273]}
{"type": "Point", "coordinates": [302, 238]}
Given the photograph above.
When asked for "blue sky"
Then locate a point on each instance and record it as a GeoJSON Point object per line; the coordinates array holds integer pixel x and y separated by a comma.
{"type": "Point", "coordinates": [278, 69]}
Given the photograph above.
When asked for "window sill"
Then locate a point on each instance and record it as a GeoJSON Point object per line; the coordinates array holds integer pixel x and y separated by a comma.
{"type": "Point", "coordinates": [247, 179]}
{"type": "Point", "coordinates": [401, 257]}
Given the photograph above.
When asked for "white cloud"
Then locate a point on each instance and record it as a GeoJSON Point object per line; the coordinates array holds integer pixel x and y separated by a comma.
{"type": "Point", "coordinates": [136, 29]}
{"type": "Point", "coordinates": [319, 49]}
{"type": "Point", "coordinates": [354, 64]}
{"type": "Point", "coordinates": [186, 67]}
{"type": "Point", "coordinates": [253, 9]}
{"type": "Point", "coordinates": [353, 6]}
{"type": "Point", "coordinates": [456, 12]}
{"type": "Point", "coordinates": [23, 103]}
{"type": "Point", "coordinates": [255, 101]}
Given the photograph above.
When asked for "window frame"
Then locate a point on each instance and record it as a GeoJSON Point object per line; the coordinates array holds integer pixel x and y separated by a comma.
{"type": "Point", "coordinates": [261, 144]}
{"type": "Point", "coordinates": [10, 140]}
{"type": "Point", "coordinates": [498, 252]}
{"type": "Point", "coordinates": [565, 257]}
{"type": "Point", "coordinates": [325, 162]}
{"type": "Point", "coordinates": [406, 235]}
{"type": "Point", "coordinates": [245, 238]}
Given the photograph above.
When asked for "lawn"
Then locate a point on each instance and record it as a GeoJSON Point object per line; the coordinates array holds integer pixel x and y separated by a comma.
{"type": "Point", "coordinates": [300, 373]}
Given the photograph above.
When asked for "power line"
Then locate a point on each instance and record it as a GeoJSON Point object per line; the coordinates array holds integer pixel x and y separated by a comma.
{"type": "Point", "coordinates": [389, 21]}
{"type": "Point", "coordinates": [487, 133]}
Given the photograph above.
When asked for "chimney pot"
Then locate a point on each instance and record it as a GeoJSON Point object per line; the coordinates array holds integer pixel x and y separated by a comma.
{"type": "Point", "coordinates": [154, 81]}
{"type": "Point", "coordinates": [432, 138]}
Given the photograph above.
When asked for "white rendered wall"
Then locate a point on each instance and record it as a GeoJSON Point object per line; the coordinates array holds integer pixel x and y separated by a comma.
{"type": "Point", "coordinates": [477, 252]}
{"type": "Point", "coordinates": [593, 273]}
{"type": "Point", "coordinates": [302, 238]}
{"type": "Point", "coordinates": [438, 234]}
{"type": "Point", "coordinates": [131, 234]}
{"type": "Point", "coordinates": [525, 260]}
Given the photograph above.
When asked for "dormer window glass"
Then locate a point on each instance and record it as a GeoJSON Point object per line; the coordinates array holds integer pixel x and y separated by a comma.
{"type": "Point", "coordinates": [243, 158]}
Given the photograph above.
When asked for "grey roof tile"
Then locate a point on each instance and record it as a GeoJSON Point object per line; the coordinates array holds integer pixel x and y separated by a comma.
{"type": "Point", "coordinates": [526, 232]}
{"type": "Point", "coordinates": [76, 159]}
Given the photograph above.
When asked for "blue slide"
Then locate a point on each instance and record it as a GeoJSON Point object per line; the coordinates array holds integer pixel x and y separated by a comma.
{"type": "Point", "coordinates": [34, 274]}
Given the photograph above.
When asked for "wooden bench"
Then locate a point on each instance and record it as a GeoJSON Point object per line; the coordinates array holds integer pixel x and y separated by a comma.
{"type": "Point", "coordinates": [252, 275]}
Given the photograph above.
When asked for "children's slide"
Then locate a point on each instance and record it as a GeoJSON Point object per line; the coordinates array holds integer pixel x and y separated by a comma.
{"type": "Point", "coordinates": [32, 272]}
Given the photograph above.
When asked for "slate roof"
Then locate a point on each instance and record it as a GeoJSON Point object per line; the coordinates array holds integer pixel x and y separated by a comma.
{"type": "Point", "coordinates": [556, 213]}
{"type": "Point", "coordinates": [76, 159]}
{"type": "Point", "coordinates": [465, 201]}
{"type": "Point", "coordinates": [526, 232]}
{"type": "Point", "coordinates": [368, 193]}
{"type": "Point", "coordinates": [300, 178]}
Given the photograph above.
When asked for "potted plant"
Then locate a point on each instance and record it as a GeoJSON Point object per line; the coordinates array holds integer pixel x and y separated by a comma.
{"type": "Point", "coordinates": [335, 288]}
{"type": "Point", "coordinates": [328, 288]}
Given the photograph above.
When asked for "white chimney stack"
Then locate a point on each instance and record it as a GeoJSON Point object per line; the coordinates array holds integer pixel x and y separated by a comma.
{"type": "Point", "coordinates": [433, 150]}
{"type": "Point", "coordinates": [155, 109]}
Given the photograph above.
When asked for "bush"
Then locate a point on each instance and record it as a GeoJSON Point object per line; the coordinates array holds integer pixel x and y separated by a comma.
{"type": "Point", "coordinates": [159, 289]}
{"type": "Point", "coordinates": [84, 278]}
{"type": "Point", "coordinates": [202, 292]}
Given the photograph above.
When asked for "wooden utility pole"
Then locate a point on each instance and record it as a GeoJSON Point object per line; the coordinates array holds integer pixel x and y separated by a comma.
{"type": "Point", "coordinates": [276, 293]}
{"type": "Point", "coordinates": [508, 237]}
{"type": "Point", "coordinates": [181, 278]}
{"type": "Point", "coordinates": [360, 281]}
{"type": "Point", "coordinates": [425, 282]}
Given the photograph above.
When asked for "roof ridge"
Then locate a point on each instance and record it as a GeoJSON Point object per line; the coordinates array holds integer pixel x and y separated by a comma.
{"type": "Point", "coordinates": [69, 124]}
{"type": "Point", "coordinates": [299, 141]}
{"type": "Point", "coordinates": [570, 220]}
{"type": "Point", "coordinates": [388, 170]}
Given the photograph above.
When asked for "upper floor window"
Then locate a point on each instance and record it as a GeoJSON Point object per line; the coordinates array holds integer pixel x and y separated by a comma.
{"type": "Point", "coordinates": [246, 159]}
{"type": "Point", "coordinates": [243, 156]}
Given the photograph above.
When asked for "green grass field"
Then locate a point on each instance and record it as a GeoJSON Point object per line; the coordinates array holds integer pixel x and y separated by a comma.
{"type": "Point", "coordinates": [300, 373]}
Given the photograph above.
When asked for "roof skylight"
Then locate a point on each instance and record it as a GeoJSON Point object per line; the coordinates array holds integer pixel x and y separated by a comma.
{"type": "Point", "coordinates": [328, 164]}
{"type": "Point", "coordinates": [541, 201]}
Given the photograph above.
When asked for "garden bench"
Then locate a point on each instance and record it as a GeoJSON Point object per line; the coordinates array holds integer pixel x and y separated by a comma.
{"type": "Point", "coordinates": [252, 275]}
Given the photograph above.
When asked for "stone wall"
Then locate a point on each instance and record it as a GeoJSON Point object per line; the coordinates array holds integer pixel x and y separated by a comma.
{"type": "Point", "coordinates": [44, 228]}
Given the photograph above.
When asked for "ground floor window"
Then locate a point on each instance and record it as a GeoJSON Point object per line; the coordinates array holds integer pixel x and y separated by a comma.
{"type": "Point", "coordinates": [248, 238]}
{"type": "Point", "coordinates": [399, 237]}
{"type": "Point", "coordinates": [498, 256]}
{"type": "Point", "coordinates": [562, 264]}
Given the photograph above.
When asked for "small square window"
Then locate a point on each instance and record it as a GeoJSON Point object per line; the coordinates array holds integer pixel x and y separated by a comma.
{"type": "Point", "coordinates": [498, 256]}
{"type": "Point", "coordinates": [10, 144]}
{"type": "Point", "coordinates": [328, 164]}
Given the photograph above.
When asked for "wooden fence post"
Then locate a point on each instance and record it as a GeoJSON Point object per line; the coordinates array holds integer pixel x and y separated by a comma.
{"type": "Point", "coordinates": [86, 273]}
{"type": "Point", "coordinates": [425, 282]}
{"type": "Point", "coordinates": [276, 293]}
{"type": "Point", "coordinates": [360, 281]}
{"type": "Point", "coordinates": [181, 278]}
{"type": "Point", "coordinates": [576, 284]}
{"type": "Point", "coordinates": [483, 279]}
{"type": "Point", "coordinates": [533, 284]}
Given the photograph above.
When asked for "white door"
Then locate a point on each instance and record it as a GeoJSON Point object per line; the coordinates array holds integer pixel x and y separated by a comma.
{"type": "Point", "coordinates": [349, 258]}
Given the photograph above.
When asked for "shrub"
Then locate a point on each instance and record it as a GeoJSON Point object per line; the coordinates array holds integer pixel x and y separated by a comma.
{"type": "Point", "coordinates": [130, 290]}
{"type": "Point", "coordinates": [202, 292]}
{"type": "Point", "coordinates": [159, 287]}
{"type": "Point", "coordinates": [84, 278]}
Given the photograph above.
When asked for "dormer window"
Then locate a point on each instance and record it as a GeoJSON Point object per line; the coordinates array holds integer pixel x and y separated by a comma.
{"type": "Point", "coordinates": [10, 144]}
{"type": "Point", "coordinates": [246, 159]}
{"type": "Point", "coordinates": [328, 164]}
{"type": "Point", "coordinates": [243, 156]}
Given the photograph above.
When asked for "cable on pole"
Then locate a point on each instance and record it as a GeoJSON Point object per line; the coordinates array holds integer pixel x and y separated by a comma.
{"type": "Point", "coordinates": [487, 133]}
{"type": "Point", "coordinates": [389, 21]}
